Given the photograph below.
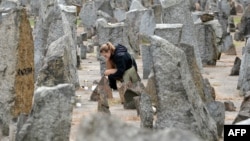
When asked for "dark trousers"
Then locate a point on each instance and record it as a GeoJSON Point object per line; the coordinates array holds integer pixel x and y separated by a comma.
{"type": "Point", "coordinates": [112, 83]}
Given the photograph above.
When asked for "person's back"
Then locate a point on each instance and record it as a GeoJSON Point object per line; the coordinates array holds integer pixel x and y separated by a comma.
{"type": "Point", "coordinates": [123, 61]}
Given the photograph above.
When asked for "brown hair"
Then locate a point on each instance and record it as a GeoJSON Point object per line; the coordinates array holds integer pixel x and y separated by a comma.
{"type": "Point", "coordinates": [106, 47]}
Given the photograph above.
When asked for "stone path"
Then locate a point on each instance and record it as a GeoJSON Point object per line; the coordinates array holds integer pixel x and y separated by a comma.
{"type": "Point", "coordinates": [225, 88]}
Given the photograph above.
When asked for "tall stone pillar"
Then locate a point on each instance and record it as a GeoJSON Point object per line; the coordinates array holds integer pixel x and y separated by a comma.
{"type": "Point", "coordinates": [16, 66]}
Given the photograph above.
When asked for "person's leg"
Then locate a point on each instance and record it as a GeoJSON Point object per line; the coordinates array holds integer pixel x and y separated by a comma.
{"type": "Point", "coordinates": [131, 75]}
{"type": "Point", "coordinates": [112, 83]}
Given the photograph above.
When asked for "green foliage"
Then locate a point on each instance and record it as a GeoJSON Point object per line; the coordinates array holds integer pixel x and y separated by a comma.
{"type": "Point", "coordinates": [78, 22]}
{"type": "Point", "coordinates": [32, 22]}
{"type": "Point", "coordinates": [237, 19]}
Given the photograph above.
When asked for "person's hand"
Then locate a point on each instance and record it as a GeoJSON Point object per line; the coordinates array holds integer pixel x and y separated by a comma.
{"type": "Point", "coordinates": [109, 71]}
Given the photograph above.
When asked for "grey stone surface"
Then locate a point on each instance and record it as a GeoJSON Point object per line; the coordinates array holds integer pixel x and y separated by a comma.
{"type": "Point", "coordinates": [146, 60]}
{"type": "Point", "coordinates": [35, 5]}
{"type": "Point", "coordinates": [151, 88]}
{"type": "Point", "coordinates": [203, 88]}
{"type": "Point", "coordinates": [112, 32]}
{"type": "Point", "coordinates": [88, 14]}
{"type": "Point", "coordinates": [209, 92]}
{"type": "Point", "coordinates": [110, 128]}
{"type": "Point", "coordinates": [207, 44]}
{"type": "Point", "coordinates": [180, 104]}
{"type": "Point", "coordinates": [170, 32]}
{"type": "Point", "coordinates": [227, 43]}
{"type": "Point", "coordinates": [50, 118]}
{"type": "Point", "coordinates": [178, 11]}
{"type": "Point", "coordinates": [146, 111]}
{"type": "Point", "coordinates": [138, 22]}
{"type": "Point", "coordinates": [217, 111]}
{"type": "Point", "coordinates": [220, 36]}
{"type": "Point", "coordinates": [121, 4]}
{"type": "Point", "coordinates": [244, 22]}
{"type": "Point", "coordinates": [48, 29]}
{"type": "Point", "coordinates": [243, 2]}
{"type": "Point", "coordinates": [58, 66]}
{"type": "Point", "coordinates": [136, 5]}
{"type": "Point", "coordinates": [229, 106]}
{"type": "Point", "coordinates": [119, 15]}
{"type": "Point", "coordinates": [236, 67]}
{"type": "Point", "coordinates": [158, 13]}
{"type": "Point", "coordinates": [244, 76]}
{"type": "Point", "coordinates": [16, 66]}
{"type": "Point", "coordinates": [244, 112]}
{"type": "Point", "coordinates": [7, 66]}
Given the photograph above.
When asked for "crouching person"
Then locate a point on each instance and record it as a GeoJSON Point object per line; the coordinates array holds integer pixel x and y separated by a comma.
{"type": "Point", "coordinates": [120, 65]}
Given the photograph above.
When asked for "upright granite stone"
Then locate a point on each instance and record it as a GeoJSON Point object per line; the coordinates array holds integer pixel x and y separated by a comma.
{"type": "Point", "coordinates": [51, 115]}
{"type": "Point", "coordinates": [120, 14]}
{"type": "Point", "coordinates": [180, 105]}
{"type": "Point", "coordinates": [61, 36]}
{"type": "Point", "coordinates": [58, 67]}
{"type": "Point", "coordinates": [245, 23]}
{"type": "Point", "coordinates": [136, 5]}
{"type": "Point", "coordinates": [48, 29]}
{"type": "Point", "coordinates": [102, 86]}
{"type": "Point", "coordinates": [16, 65]}
{"type": "Point", "coordinates": [146, 60]}
{"type": "Point", "coordinates": [243, 3]}
{"type": "Point", "coordinates": [146, 111]}
{"type": "Point", "coordinates": [170, 32]}
{"type": "Point", "coordinates": [151, 88]}
{"type": "Point", "coordinates": [138, 22]}
{"type": "Point", "coordinates": [110, 32]}
{"type": "Point", "coordinates": [244, 112]}
{"type": "Point", "coordinates": [34, 5]}
{"type": "Point", "coordinates": [207, 44]}
{"type": "Point", "coordinates": [88, 14]}
{"type": "Point", "coordinates": [203, 88]}
{"type": "Point", "coordinates": [217, 111]}
{"type": "Point", "coordinates": [178, 11]}
{"type": "Point", "coordinates": [158, 13]}
{"type": "Point", "coordinates": [236, 67]}
{"type": "Point", "coordinates": [244, 76]}
{"type": "Point", "coordinates": [82, 48]}
{"type": "Point", "coordinates": [223, 13]}
{"type": "Point", "coordinates": [103, 105]}
{"type": "Point", "coordinates": [105, 7]}
{"type": "Point", "coordinates": [121, 4]}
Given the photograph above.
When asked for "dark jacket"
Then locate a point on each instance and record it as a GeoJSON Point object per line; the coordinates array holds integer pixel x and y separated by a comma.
{"type": "Point", "coordinates": [122, 60]}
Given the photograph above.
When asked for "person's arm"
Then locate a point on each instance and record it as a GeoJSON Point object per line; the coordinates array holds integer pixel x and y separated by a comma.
{"type": "Point", "coordinates": [120, 66]}
{"type": "Point", "coordinates": [109, 71]}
